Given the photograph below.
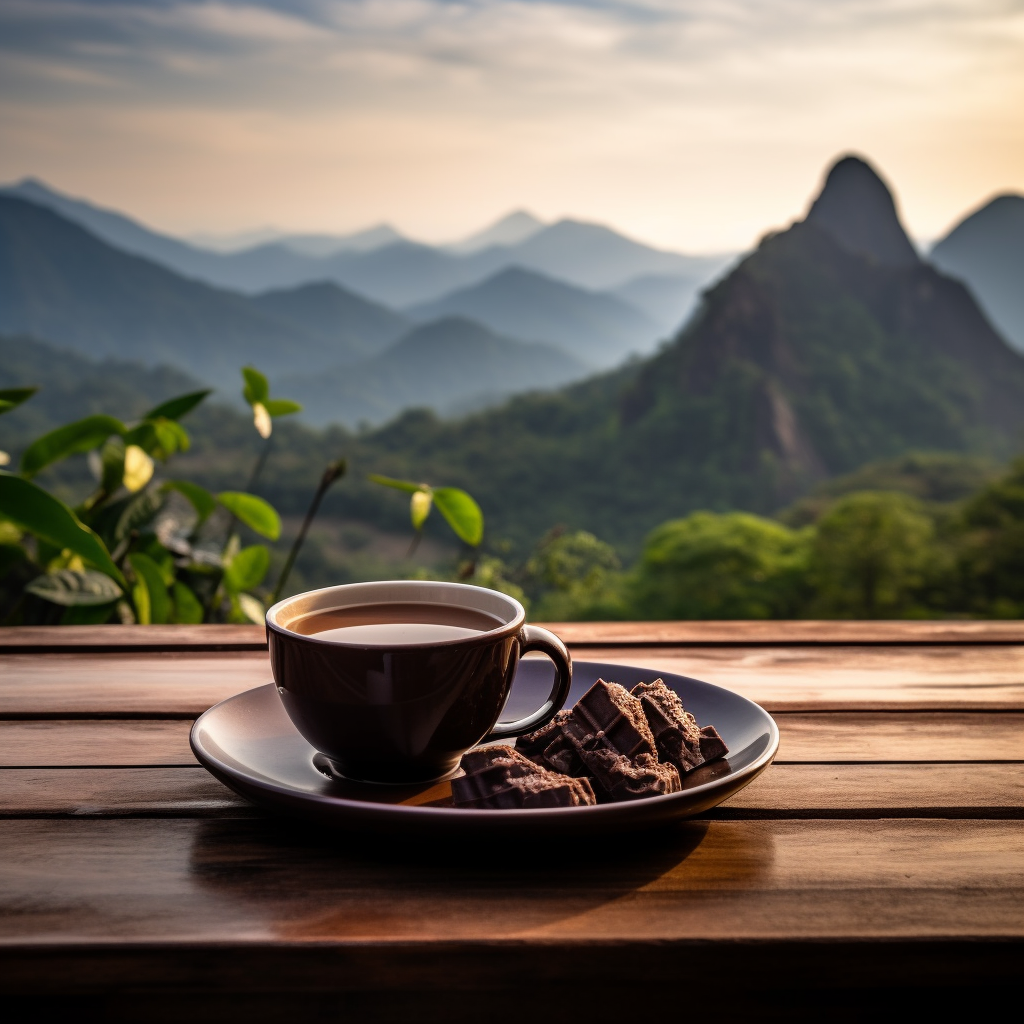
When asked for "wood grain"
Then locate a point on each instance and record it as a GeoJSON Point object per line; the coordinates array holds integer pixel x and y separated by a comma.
{"type": "Point", "coordinates": [222, 637]}
{"type": "Point", "coordinates": [804, 790]}
{"type": "Point", "coordinates": [780, 679]}
{"type": "Point", "coordinates": [79, 743]}
{"type": "Point", "coordinates": [846, 678]}
{"type": "Point", "coordinates": [825, 738]}
{"type": "Point", "coordinates": [250, 881]}
{"type": "Point", "coordinates": [901, 736]}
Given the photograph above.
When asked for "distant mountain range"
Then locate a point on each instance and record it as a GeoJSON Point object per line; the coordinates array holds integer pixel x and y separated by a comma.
{"type": "Point", "coordinates": [450, 364]}
{"type": "Point", "coordinates": [384, 266]}
{"type": "Point", "coordinates": [598, 329]}
{"type": "Point", "coordinates": [986, 250]}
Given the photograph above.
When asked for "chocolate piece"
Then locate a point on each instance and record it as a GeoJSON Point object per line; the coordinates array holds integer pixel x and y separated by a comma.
{"type": "Point", "coordinates": [549, 747]}
{"type": "Point", "coordinates": [615, 718]}
{"type": "Point", "coordinates": [711, 744]}
{"type": "Point", "coordinates": [676, 732]}
{"type": "Point", "coordinates": [500, 778]}
{"type": "Point", "coordinates": [610, 733]}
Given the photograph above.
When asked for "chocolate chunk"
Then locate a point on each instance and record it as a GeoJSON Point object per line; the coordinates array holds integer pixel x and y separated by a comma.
{"type": "Point", "coordinates": [675, 730]}
{"type": "Point", "coordinates": [549, 747]}
{"type": "Point", "coordinates": [711, 744]}
{"type": "Point", "coordinates": [500, 778]}
{"type": "Point", "coordinates": [615, 718]}
{"type": "Point", "coordinates": [610, 733]}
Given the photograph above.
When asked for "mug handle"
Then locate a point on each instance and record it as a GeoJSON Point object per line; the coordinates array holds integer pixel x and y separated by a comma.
{"type": "Point", "coordinates": [536, 638]}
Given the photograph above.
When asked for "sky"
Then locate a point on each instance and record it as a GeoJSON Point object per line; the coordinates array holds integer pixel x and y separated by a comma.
{"type": "Point", "coordinates": [695, 125]}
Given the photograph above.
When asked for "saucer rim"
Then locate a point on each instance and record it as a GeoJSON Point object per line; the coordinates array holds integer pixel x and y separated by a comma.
{"type": "Point", "coordinates": [389, 813]}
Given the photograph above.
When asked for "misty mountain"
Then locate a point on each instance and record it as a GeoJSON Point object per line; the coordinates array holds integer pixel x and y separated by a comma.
{"type": "Point", "coordinates": [399, 272]}
{"type": "Point", "coordinates": [667, 299]}
{"type": "Point", "coordinates": [512, 229]}
{"type": "Point", "coordinates": [598, 329]}
{"type": "Point", "coordinates": [354, 326]}
{"type": "Point", "coordinates": [437, 365]}
{"type": "Point", "coordinates": [61, 283]}
{"type": "Point", "coordinates": [986, 250]}
{"type": "Point", "coordinates": [806, 361]}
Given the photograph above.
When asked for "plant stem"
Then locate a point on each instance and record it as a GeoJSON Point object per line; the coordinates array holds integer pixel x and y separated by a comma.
{"type": "Point", "coordinates": [334, 471]}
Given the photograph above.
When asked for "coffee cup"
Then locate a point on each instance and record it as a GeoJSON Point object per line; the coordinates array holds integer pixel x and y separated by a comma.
{"type": "Point", "coordinates": [394, 681]}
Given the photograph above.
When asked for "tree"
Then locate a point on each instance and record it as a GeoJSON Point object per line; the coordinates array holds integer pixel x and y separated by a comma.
{"type": "Point", "coordinates": [872, 557]}
{"type": "Point", "coordinates": [710, 566]}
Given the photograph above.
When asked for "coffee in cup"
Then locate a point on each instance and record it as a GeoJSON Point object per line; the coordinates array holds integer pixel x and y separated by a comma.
{"type": "Point", "coordinates": [394, 681]}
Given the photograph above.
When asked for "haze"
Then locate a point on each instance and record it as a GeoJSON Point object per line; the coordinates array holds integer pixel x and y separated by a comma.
{"type": "Point", "coordinates": [693, 125]}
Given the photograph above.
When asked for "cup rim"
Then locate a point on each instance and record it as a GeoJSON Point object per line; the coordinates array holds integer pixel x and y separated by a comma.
{"type": "Point", "coordinates": [515, 624]}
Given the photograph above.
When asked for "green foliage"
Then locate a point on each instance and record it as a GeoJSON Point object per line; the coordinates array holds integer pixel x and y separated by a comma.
{"type": "Point", "coordinates": [11, 398]}
{"type": "Point", "coordinates": [75, 438]}
{"type": "Point", "coordinates": [459, 510]}
{"type": "Point", "coordinates": [246, 570]}
{"type": "Point", "coordinates": [256, 513]}
{"type": "Point", "coordinates": [150, 594]}
{"type": "Point", "coordinates": [708, 566]}
{"type": "Point", "coordinates": [574, 576]}
{"type": "Point", "coordinates": [256, 392]}
{"type": "Point", "coordinates": [871, 557]}
{"type": "Point", "coordinates": [71, 587]}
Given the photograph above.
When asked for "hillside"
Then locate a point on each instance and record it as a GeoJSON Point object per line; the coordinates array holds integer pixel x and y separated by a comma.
{"type": "Point", "coordinates": [806, 361]}
{"type": "Point", "coordinates": [986, 250]}
{"type": "Point", "coordinates": [448, 363]}
{"type": "Point", "coordinates": [352, 326]}
{"type": "Point", "coordinates": [599, 330]}
{"type": "Point", "coordinates": [61, 283]}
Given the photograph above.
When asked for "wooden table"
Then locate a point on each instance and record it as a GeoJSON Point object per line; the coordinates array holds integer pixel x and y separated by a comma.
{"type": "Point", "coordinates": [881, 856]}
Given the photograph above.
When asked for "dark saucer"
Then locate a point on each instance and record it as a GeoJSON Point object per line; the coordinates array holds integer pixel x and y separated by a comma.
{"type": "Point", "coordinates": [250, 744]}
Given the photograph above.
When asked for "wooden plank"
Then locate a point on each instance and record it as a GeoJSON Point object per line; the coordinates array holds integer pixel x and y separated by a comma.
{"type": "Point", "coordinates": [804, 790]}
{"type": "Point", "coordinates": [260, 881]}
{"type": "Point", "coordinates": [94, 743]}
{"type": "Point", "coordinates": [145, 685]}
{"type": "Point", "coordinates": [900, 736]}
{"type": "Point", "coordinates": [213, 637]}
{"type": "Point", "coordinates": [780, 679]}
{"type": "Point", "coordinates": [846, 678]}
{"type": "Point", "coordinates": [823, 738]}
{"type": "Point", "coordinates": [790, 633]}
{"type": "Point", "coordinates": [774, 633]}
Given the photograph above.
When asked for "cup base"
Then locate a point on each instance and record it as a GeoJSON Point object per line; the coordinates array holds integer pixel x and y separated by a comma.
{"type": "Point", "coordinates": [326, 766]}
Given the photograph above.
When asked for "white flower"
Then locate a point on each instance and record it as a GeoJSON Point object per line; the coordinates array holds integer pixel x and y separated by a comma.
{"type": "Point", "coordinates": [138, 468]}
{"type": "Point", "coordinates": [261, 419]}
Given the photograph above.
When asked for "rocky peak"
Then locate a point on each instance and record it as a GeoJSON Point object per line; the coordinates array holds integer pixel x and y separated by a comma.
{"type": "Point", "coordinates": [857, 209]}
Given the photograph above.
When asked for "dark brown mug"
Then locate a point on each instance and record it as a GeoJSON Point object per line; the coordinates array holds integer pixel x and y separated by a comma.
{"type": "Point", "coordinates": [406, 712]}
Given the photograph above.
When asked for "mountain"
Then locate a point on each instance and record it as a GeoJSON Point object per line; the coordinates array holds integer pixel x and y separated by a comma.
{"type": "Point", "coordinates": [986, 250]}
{"type": "Point", "coordinates": [384, 266]}
{"type": "Point", "coordinates": [512, 229]}
{"type": "Point", "coordinates": [61, 283]}
{"type": "Point", "coordinates": [353, 326]}
{"type": "Point", "coordinates": [858, 210]}
{"type": "Point", "coordinates": [599, 330]}
{"type": "Point", "coordinates": [436, 365]}
{"type": "Point", "coordinates": [806, 361]}
{"type": "Point", "coordinates": [667, 299]}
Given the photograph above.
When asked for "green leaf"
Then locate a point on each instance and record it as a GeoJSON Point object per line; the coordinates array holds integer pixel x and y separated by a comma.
{"type": "Point", "coordinates": [86, 615]}
{"type": "Point", "coordinates": [256, 513]}
{"type": "Point", "coordinates": [152, 601]}
{"type": "Point", "coordinates": [112, 461]}
{"type": "Point", "coordinates": [82, 436]}
{"type": "Point", "coordinates": [252, 609]}
{"type": "Point", "coordinates": [140, 510]}
{"type": "Point", "coordinates": [419, 508]}
{"type": "Point", "coordinates": [281, 406]}
{"type": "Point", "coordinates": [70, 587]}
{"type": "Point", "coordinates": [200, 498]}
{"type": "Point", "coordinates": [462, 513]}
{"type": "Point", "coordinates": [256, 387]}
{"type": "Point", "coordinates": [11, 398]}
{"type": "Point", "coordinates": [175, 408]}
{"type": "Point", "coordinates": [161, 438]}
{"type": "Point", "coordinates": [42, 515]}
{"type": "Point", "coordinates": [247, 568]}
{"type": "Point", "coordinates": [187, 607]}
{"type": "Point", "coordinates": [398, 485]}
